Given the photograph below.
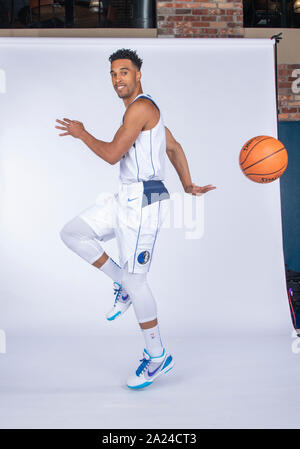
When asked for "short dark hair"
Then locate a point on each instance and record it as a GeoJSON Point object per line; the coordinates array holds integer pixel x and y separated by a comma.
{"type": "Point", "coordinates": [126, 53]}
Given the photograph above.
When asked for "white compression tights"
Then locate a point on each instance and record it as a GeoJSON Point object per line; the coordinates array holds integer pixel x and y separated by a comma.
{"type": "Point", "coordinates": [81, 238]}
{"type": "Point", "coordinates": [143, 300]}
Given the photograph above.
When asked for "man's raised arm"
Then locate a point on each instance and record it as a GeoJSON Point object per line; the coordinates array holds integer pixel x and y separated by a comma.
{"type": "Point", "coordinates": [112, 152]}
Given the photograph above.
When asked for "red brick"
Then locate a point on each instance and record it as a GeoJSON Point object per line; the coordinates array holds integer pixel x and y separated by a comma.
{"type": "Point", "coordinates": [168, 25]}
{"type": "Point", "coordinates": [209, 31]}
{"type": "Point", "coordinates": [284, 91]}
{"type": "Point", "coordinates": [165, 5]}
{"type": "Point", "coordinates": [202, 11]}
{"type": "Point", "coordinates": [195, 4]}
{"type": "Point", "coordinates": [239, 7]}
{"type": "Point", "coordinates": [205, 9]}
{"type": "Point", "coordinates": [213, 11]}
{"type": "Point", "coordinates": [225, 18]}
{"type": "Point", "coordinates": [187, 25]}
{"type": "Point", "coordinates": [283, 72]}
{"type": "Point", "coordinates": [218, 24]}
{"type": "Point", "coordinates": [210, 18]}
{"type": "Point", "coordinates": [183, 11]}
{"type": "Point", "coordinates": [289, 110]}
{"type": "Point", "coordinates": [231, 31]}
{"type": "Point", "coordinates": [285, 85]}
{"type": "Point", "coordinates": [286, 98]}
{"type": "Point", "coordinates": [191, 18]}
{"type": "Point", "coordinates": [292, 116]}
{"type": "Point", "coordinates": [165, 32]}
{"type": "Point", "coordinates": [226, 4]}
{"type": "Point", "coordinates": [201, 24]}
{"type": "Point", "coordinates": [174, 18]}
{"type": "Point", "coordinates": [166, 11]}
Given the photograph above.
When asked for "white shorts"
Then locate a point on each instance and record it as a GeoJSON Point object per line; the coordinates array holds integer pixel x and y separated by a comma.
{"type": "Point", "coordinates": [133, 219]}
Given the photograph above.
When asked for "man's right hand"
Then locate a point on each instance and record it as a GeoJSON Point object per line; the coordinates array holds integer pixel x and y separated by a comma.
{"type": "Point", "coordinates": [72, 128]}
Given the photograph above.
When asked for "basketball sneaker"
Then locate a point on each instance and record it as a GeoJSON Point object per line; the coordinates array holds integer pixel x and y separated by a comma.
{"type": "Point", "coordinates": [150, 369]}
{"type": "Point", "coordinates": [121, 304]}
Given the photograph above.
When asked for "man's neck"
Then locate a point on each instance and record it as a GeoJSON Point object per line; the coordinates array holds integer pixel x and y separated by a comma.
{"type": "Point", "coordinates": [129, 100]}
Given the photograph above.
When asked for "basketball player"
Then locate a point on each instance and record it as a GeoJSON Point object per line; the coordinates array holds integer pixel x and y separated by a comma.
{"type": "Point", "coordinates": [135, 214]}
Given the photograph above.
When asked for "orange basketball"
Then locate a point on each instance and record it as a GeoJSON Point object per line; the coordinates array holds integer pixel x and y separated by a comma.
{"type": "Point", "coordinates": [263, 159]}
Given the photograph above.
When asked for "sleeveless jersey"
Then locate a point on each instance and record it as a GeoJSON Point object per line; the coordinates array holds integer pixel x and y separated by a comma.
{"type": "Point", "coordinates": [146, 159]}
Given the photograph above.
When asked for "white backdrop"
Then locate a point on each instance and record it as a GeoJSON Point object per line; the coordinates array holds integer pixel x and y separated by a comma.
{"type": "Point", "coordinates": [214, 95]}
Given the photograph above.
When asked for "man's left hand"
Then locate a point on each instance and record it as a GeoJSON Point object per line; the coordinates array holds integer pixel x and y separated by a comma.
{"type": "Point", "coordinates": [197, 190]}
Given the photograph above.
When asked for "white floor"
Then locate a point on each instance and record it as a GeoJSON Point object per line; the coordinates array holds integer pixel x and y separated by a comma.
{"type": "Point", "coordinates": [218, 382]}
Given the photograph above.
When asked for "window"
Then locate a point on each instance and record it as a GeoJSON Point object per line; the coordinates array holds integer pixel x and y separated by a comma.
{"type": "Point", "coordinates": [272, 13]}
{"type": "Point", "coordinates": [78, 14]}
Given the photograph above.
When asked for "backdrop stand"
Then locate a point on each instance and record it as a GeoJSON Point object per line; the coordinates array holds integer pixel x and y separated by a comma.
{"type": "Point", "coordinates": [277, 38]}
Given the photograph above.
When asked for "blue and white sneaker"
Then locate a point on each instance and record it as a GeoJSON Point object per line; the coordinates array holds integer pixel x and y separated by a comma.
{"type": "Point", "coordinates": [121, 304]}
{"type": "Point", "coordinates": [150, 369]}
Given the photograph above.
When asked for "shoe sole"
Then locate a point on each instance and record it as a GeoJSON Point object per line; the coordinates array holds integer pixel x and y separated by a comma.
{"type": "Point", "coordinates": [118, 314]}
{"type": "Point", "coordinates": [146, 384]}
{"type": "Point", "coordinates": [114, 316]}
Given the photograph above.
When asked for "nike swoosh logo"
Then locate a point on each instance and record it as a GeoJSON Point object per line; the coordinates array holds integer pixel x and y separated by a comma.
{"type": "Point", "coordinates": [153, 372]}
{"type": "Point", "coordinates": [131, 199]}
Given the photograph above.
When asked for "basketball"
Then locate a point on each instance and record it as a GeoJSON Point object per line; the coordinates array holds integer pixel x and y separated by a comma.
{"type": "Point", "coordinates": [263, 159]}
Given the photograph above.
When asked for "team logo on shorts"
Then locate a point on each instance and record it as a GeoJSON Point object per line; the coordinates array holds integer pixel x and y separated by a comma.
{"type": "Point", "coordinates": [143, 257]}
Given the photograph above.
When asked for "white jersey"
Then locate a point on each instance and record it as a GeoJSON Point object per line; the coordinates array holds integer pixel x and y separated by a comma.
{"type": "Point", "coordinates": [146, 159]}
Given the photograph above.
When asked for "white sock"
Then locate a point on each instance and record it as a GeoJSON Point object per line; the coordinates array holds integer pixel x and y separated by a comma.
{"type": "Point", "coordinates": [153, 341]}
{"type": "Point", "coordinates": [112, 269]}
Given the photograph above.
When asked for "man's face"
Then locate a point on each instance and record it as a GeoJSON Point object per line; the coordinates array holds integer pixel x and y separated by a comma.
{"type": "Point", "coordinates": [125, 77]}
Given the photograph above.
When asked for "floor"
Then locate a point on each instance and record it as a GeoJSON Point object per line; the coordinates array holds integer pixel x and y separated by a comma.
{"type": "Point", "coordinates": [233, 381]}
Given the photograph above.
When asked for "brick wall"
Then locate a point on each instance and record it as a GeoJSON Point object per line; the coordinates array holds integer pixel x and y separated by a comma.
{"type": "Point", "coordinates": [204, 18]}
{"type": "Point", "coordinates": [288, 101]}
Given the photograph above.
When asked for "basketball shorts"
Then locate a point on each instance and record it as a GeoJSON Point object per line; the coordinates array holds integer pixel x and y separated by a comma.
{"type": "Point", "coordinates": [134, 216]}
